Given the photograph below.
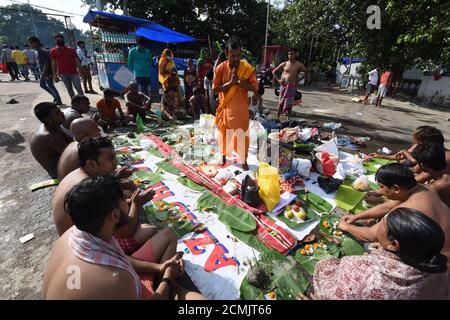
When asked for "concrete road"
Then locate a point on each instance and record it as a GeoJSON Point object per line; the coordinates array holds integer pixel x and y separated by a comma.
{"type": "Point", "coordinates": [23, 212]}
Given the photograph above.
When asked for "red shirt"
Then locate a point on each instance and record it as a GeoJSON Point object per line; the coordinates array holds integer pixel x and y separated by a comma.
{"type": "Point", "coordinates": [386, 78]}
{"type": "Point", "coordinates": [65, 60]}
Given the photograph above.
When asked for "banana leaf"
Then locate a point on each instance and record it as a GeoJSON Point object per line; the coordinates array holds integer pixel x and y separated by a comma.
{"type": "Point", "coordinates": [209, 202]}
{"type": "Point", "coordinates": [166, 166]}
{"type": "Point", "coordinates": [146, 178]}
{"type": "Point", "coordinates": [351, 247]}
{"type": "Point", "coordinates": [160, 219]}
{"type": "Point", "coordinates": [238, 219]}
{"type": "Point", "coordinates": [286, 280]}
{"type": "Point", "coordinates": [347, 198]}
{"type": "Point", "coordinates": [315, 203]}
{"type": "Point", "coordinates": [370, 165]}
{"type": "Point", "coordinates": [309, 262]}
{"type": "Point", "coordinates": [155, 152]}
{"type": "Point", "coordinates": [188, 183]}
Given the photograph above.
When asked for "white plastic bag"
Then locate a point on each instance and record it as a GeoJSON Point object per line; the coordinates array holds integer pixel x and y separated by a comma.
{"type": "Point", "coordinates": [361, 184]}
{"type": "Point", "coordinates": [302, 166]}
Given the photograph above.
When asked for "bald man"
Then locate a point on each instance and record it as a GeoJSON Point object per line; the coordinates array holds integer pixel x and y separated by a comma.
{"type": "Point", "coordinates": [81, 128]}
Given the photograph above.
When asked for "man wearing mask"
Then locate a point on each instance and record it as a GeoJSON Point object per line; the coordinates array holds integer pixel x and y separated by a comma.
{"type": "Point", "coordinates": [65, 63]}
{"type": "Point", "coordinates": [140, 62]}
{"type": "Point", "coordinates": [85, 60]}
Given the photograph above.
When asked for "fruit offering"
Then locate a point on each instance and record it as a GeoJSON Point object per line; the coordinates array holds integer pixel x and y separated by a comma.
{"type": "Point", "coordinates": [296, 211]}
{"type": "Point", "coordinates": [309, 249]}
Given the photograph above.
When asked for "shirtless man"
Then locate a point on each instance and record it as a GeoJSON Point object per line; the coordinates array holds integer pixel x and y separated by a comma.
{"type": "Point", "coordinates": [49, 141]}
{"type": "Point", "coordinates": [431, 158]}
{"type": "Point", "coordinates": [81, 129]}
{"type": "Point", "coordinates": [97, 158]}
{"type": "Point", "coordinates": [98, 209]}
{"type": "Point", "coordinates": [289, 80]}
{"type": "Point", "coordinates": [137, 102]}
{"type": "Point", "coordinates": [79, 105]}
{"type": "Point", "coordinates": [422, 135]}
{"type": "Point", "coordinates": [398, 184]}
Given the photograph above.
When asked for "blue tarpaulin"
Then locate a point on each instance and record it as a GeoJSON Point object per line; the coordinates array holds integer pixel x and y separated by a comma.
{"type": "Point", "coordinates": [145, 28]}
{"type": "Point", "coordinates": [347, 60]}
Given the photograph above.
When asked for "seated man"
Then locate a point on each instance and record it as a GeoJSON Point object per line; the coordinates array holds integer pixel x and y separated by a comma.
{"type": "Point", "coordinates": [197, 103]}
{"type": "Point", "coordinates": [422, 135]}
{"type": "Point", "coordinates": [398, 184]}
{"type": "Point", "coordinates": [170, 105]}
{"type": "Point", "coordinates": [97, 158]}
{"type": "Point", "coordinates": [107, 117]}
{"type": "Point", "coordinates": [81, 129]}
{"type": "Point", "coordinates": [137, 102]}
{"type": "Point", "coordinates": [49, 141]}
{"type": "Point", "coordinates": [97, 207]}
{"type": "Point", "coordinates": [431, 158]}
{"type": "Point", "coordinates": [79, 104]}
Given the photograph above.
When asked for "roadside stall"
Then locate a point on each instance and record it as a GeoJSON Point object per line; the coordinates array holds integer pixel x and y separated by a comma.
{"type": "Point", "coordinates": [116, 36]}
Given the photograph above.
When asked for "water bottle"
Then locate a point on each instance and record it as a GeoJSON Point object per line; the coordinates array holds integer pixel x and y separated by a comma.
{"type": "Point", "coordinates": [158, 114]}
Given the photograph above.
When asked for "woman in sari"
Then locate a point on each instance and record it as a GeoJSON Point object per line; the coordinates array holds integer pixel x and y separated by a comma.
{"type": "Point", "coordinates": [166, 69]}
{"type": "Point", "coordinates": [204, 65]}
{"type": "Point", "coordinates": [405, 265]}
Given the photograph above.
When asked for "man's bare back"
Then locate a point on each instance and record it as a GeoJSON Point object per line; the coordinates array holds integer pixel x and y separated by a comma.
{"type": "Point", "coordinates": [96, 281]}
{"type": "Point", "coordinates": [47, 147]}
{"type": "Point", "coordinates": [68, 161]}
{"type": "Point", "coordinates": [429, 203]}
{"type": "Point", "coordinates": [60, 217]}
{"type": "Point", "coordinates": [442, 187]}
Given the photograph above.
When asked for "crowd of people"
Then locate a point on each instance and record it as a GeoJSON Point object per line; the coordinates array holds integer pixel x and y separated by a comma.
{"type": "Point", "coordinates": [96, 207]}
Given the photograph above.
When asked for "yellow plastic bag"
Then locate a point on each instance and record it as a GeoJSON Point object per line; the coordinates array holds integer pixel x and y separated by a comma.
{"type": "Point", "coordinates": [269, 185]}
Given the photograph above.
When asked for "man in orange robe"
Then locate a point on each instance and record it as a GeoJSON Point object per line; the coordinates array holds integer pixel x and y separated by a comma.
{"type": "Point", "coordinates": [233, 79]}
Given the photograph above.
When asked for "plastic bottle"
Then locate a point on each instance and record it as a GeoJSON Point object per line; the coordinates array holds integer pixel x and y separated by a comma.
{"type": "Point", "coordinates": [158, 114]}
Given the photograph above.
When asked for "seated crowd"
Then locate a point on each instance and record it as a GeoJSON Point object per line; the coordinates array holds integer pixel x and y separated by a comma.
{"type": "Point", "coordinates": [96, 209]}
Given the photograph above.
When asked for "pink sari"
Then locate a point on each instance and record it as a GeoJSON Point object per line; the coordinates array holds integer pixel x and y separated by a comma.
{"type": "Point", "coordinates": [380, 275]}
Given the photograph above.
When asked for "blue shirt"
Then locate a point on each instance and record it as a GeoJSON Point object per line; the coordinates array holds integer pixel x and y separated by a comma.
{"type": "Point", "coordinates": [140, 62]}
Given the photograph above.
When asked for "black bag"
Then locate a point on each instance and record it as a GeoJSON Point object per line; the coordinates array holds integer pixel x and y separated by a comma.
{"type": "Point", "coordinates": [250, 192]}
{"type": "Point", "coordinates": [329, 184]}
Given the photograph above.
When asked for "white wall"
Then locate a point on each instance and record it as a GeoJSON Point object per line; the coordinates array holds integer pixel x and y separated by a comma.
{"type": "Point", "coordinates": [435, 91]}
{"type": "Point", "coordinates": [413, 74]}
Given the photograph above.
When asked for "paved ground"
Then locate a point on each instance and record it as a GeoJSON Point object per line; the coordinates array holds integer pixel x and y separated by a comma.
{"type": "Point", "coordinates": [23, 212]}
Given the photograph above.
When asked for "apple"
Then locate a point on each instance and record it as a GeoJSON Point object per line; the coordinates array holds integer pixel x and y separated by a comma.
{"type": "Point", "coordinates": [289, 214]}
{"type": "Point", "coordinates": [296, 207]}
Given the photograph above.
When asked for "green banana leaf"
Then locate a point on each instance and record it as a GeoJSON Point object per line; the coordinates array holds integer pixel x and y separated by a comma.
{"type": "Point", "coordinates": [286, 280]}
{"type": "Point", "coordinates": [147, 178]}
{"type": "Point", "coordinates": [351, 247]}
{"type": "Point", "coordinates": [155, 152]}
{"type": "Point", "coordinates": [309, 262]}
{"type": "Point", "coordinates": [347, 198]}
{"type": "Point", "coordinates": [188, 183]}
{"type": "Point", "coordinates": [160, 220]}
{"type": "Point", "coordinates": [238, 219]}
{"type": "Point", "coordinates": [315, 203]}
{"type": "Point", "coordinates": [209, 202]}
{"type": "Point", "coordinates": [370, 165]}
{"type": "Point", "coordinates": [139, 123]}
{"type": "Point", "coordinates": [166, 166]}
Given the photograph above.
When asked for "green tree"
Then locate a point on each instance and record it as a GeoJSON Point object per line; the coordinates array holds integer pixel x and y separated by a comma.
{"type": "Point", "coordinates": [16, 26]}
{"type": "Point", "coordinates": [200, 18]}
